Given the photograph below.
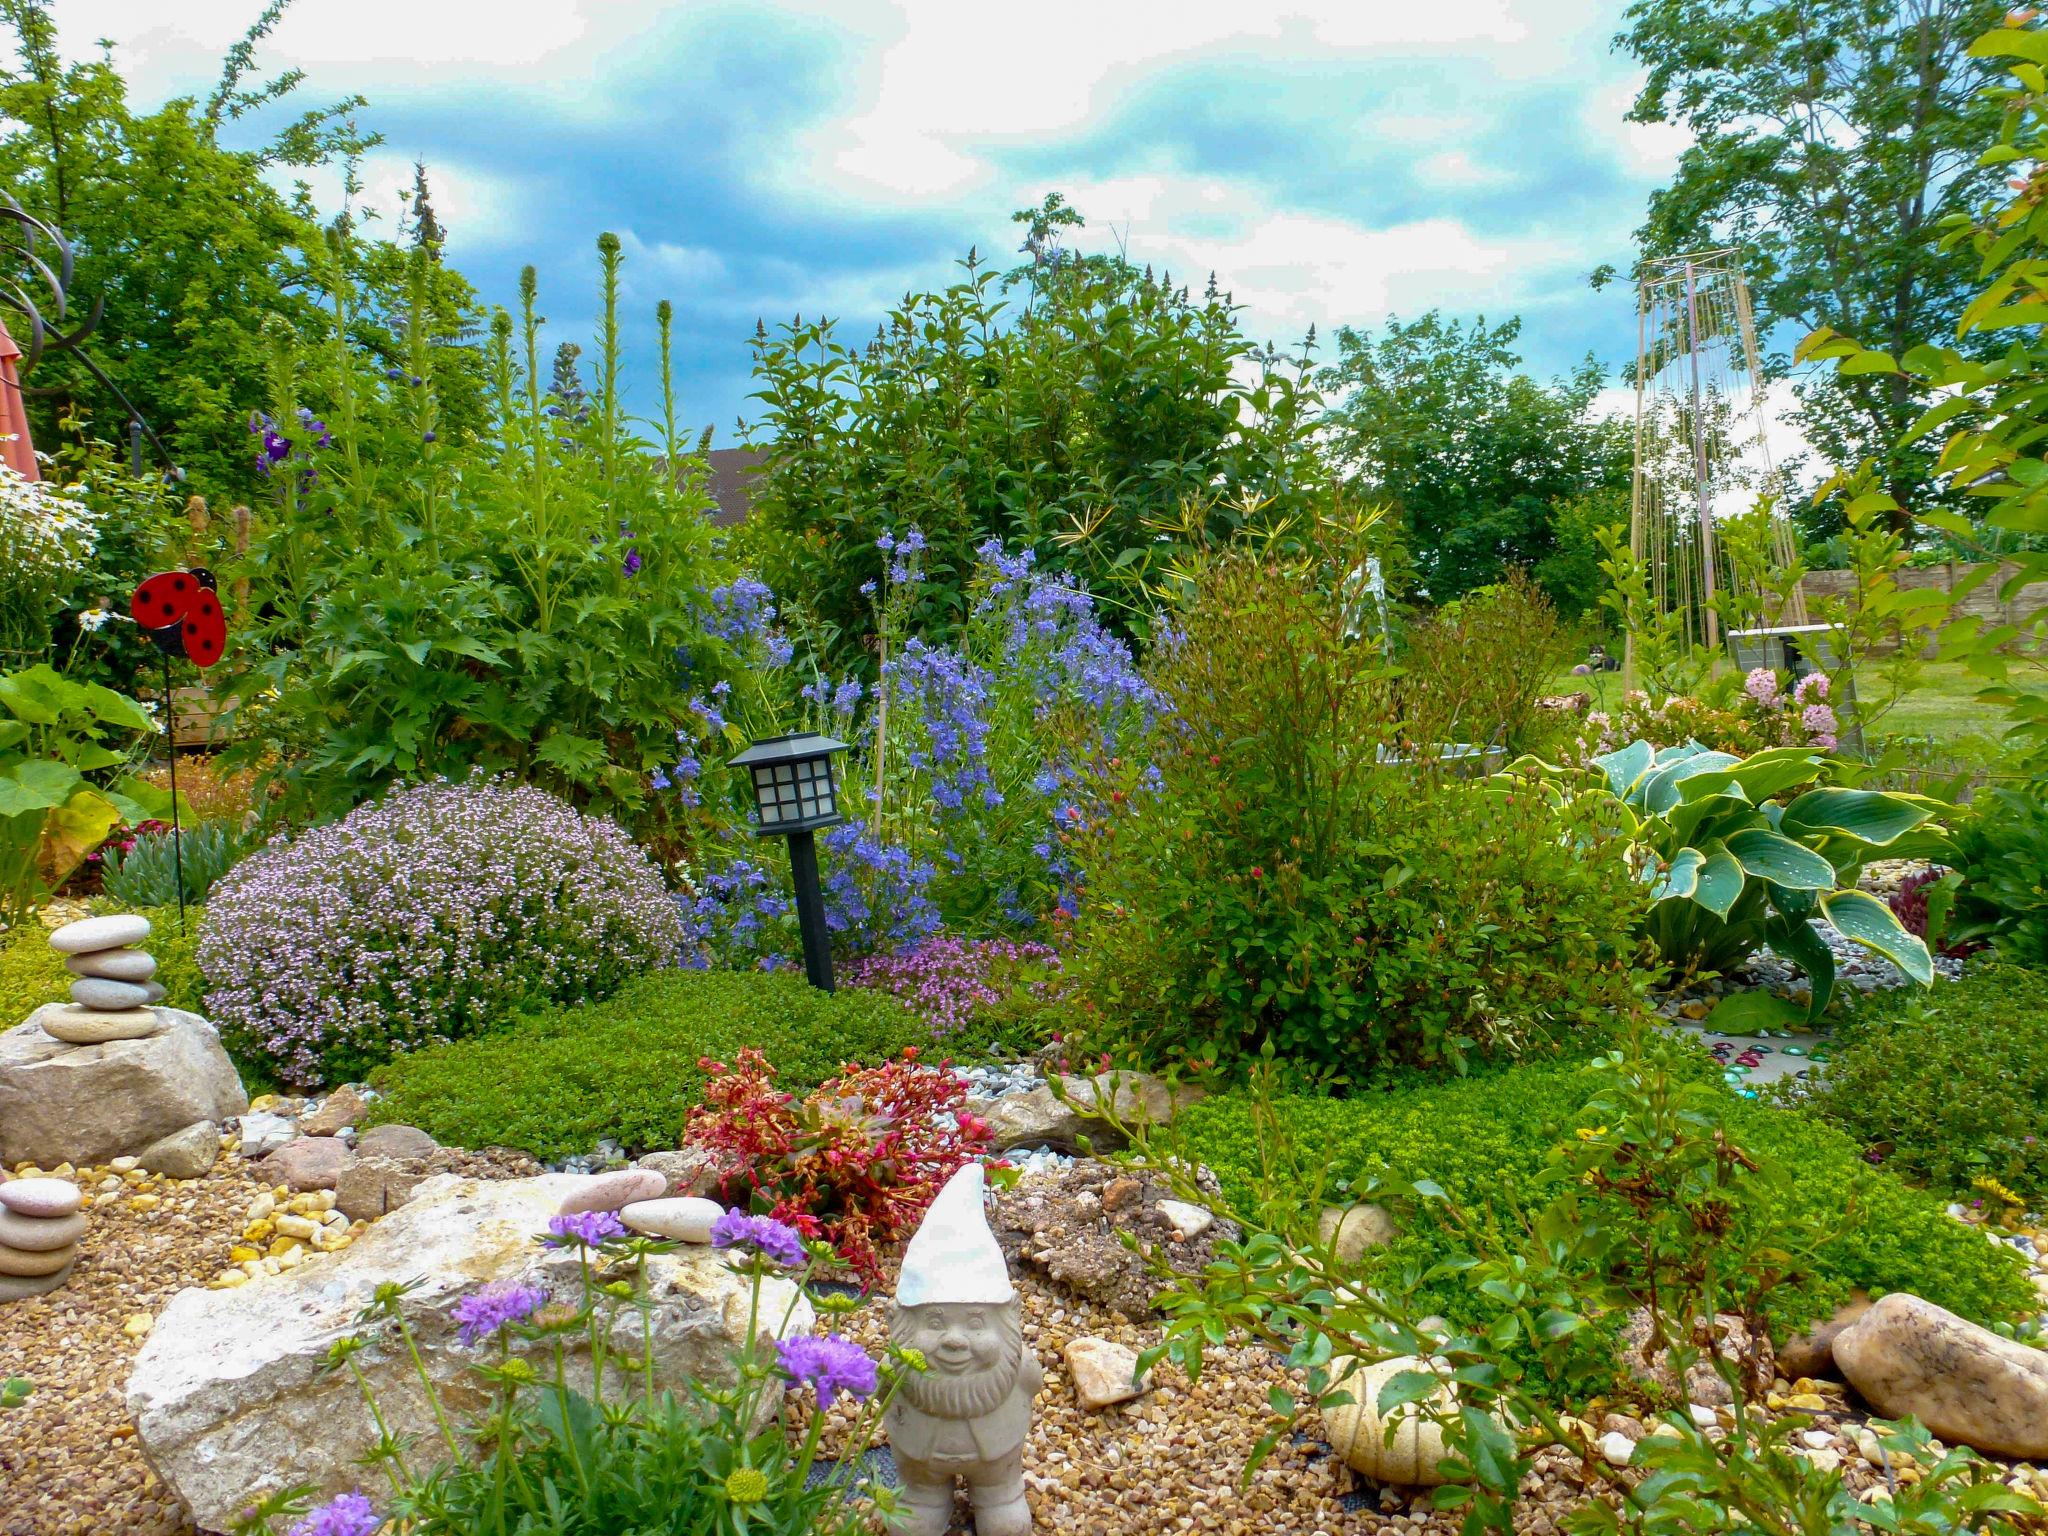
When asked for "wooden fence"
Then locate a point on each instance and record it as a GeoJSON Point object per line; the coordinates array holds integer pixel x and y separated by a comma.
{"type": "Point", "coordinates": [1983, 603]}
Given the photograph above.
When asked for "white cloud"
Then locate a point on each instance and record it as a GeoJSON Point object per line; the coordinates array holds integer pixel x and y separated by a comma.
{"type": "Point", "coordinates": [479, 208]}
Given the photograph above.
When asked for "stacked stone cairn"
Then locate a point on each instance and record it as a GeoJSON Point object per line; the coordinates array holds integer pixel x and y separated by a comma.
{"type": "Point", "coordinates": [112, 997]}
{"type": "Point", "coordinates": [40, 1225]}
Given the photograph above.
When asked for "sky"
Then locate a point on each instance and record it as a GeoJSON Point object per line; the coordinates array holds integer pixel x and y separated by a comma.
{"type": "Point", "coordinates": [1332, 161]}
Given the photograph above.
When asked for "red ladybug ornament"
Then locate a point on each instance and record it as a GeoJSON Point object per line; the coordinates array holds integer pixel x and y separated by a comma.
{"type": "Point", "coordinates": [181, 611]}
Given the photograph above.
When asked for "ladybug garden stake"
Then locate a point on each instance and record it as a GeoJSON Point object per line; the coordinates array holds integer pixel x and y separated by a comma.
{"type": "Point", "coordinates": [180, 611]}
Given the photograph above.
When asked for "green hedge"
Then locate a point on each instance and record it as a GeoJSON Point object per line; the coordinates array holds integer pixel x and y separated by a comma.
{"type": "Point", "coordinates": [1983, 1041]}
{"type": "Point", "coordinates": [553, 1084]}
{"type": "Point", "coordinates": [1484, 1139]}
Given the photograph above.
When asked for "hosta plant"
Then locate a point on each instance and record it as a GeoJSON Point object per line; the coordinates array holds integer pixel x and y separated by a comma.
{"type": "Point", "coordinates": [1746, 851]}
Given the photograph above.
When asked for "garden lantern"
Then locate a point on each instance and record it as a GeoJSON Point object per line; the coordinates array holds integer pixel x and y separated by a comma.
{"type": "Point", "coordinates": [796, 791]}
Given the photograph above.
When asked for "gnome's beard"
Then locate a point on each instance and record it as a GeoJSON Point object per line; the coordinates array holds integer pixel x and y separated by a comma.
{"type": "Point", "coordinates": [978, 1389]}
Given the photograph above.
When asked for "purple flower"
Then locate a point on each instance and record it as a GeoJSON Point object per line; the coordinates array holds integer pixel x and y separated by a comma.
{"type": "Point", "coordinates": [495, 1308]}
{"type": "Point", "coordinates": [632, 563]}
{"type": "Point", "coordinates": [1761, 685]}
{"type": "Point", "coordinates": [771, 1238]}
{"type": "Point", "coordinates": [1818, 719]}
{"type": "Point", "coordinates": [349, 1514]}
{"type": "Point", "coordinates": [832, 1364]}
{"type": "Point", "coordinates": [584, 1229]}
{"type": "Point", "coordinates": [1812, 686]}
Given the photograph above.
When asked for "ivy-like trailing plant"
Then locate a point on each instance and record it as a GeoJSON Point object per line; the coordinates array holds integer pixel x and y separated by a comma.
{"type": "Point", "coordinates": [1733, 869]}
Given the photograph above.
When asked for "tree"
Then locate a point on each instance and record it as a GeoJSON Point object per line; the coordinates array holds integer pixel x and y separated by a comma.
{"type": "Point", "coordinates": [1831, 139]}
{"type": "Point", "coordinates": [1075, 406]}
{"type": "Point", "coordinates": [1433, 416]}
{"type": "Point", "coordinates": [192, 250]}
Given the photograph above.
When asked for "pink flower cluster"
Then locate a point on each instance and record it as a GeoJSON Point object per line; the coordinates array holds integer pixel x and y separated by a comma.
{"type": "Point", "coordinates": [431, 915]}
{"type": "Point", "coordinates": [946, 981]}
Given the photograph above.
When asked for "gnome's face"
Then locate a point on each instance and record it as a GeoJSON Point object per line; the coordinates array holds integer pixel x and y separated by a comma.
{"type": "Point", "coordinates": [961, 1339]}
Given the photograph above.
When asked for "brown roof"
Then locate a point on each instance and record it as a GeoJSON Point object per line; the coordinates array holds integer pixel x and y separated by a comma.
{"type": "Point", "coordinates": [730, 471]}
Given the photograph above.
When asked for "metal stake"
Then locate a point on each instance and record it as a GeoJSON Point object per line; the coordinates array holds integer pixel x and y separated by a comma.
{"type": "Point", "coordinates": [810, 909]}
{"type": "Point", "coordinates": [177, 830]}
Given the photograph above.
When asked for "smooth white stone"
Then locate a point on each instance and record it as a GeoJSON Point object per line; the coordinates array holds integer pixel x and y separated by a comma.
{"type": "Point", "coordinates": [114, 964]}
{"type": "Point", "coordinates": [91, 933]}
{"type": "Point", "coordinates": [108, 996]}
{"type": "Point", "coordinates": [679, 1218]}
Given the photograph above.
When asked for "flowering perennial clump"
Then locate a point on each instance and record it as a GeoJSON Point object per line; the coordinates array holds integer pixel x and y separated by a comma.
{"type": "Point", "coordinates": [855, 1164]}
{"type": "Point", "coordinates": [493, 1309]}
{"type": "Point", "coordinates": [584, 1229]}
{"type": "Point", "coordinates": [46, 539]}
{"type": "Point", "coordinates": [832, 1365]}
{"type": "Point", "coordinates": [776, 1241]}
{"type": "Point", "coordinates": [349, 1514]}
{"type": "Point", "coordinates": [432, 915]}
{"type": "Point", "coordinates": [947, 980]}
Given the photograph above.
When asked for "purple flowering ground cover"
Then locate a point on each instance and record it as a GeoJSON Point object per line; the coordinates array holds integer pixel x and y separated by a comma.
{"type": "Point", "coordinates": [435, 914]}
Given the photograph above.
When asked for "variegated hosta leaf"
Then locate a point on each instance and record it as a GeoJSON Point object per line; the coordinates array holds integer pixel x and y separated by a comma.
{"type": "Point", "coordinates": [1774, 857]}
{"type": "Point", "coordinates": [1867, 815]}
{"type": "Point", "coordinates": [1861, 917]}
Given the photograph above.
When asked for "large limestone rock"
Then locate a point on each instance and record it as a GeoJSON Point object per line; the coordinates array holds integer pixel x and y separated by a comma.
{"type": "Point", "coordinates": [1040, 1118]}
{"type": "Point", "coordinates": [1965, 1383]}
{"type": "Point", "coordinates": [228, 1397]}
{"type": "Point", "coordinates": [89, 1103]}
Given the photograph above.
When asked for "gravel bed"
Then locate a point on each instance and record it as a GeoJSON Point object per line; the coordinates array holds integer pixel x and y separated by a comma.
{"type": "Point", "coordinates": [68, 1458]}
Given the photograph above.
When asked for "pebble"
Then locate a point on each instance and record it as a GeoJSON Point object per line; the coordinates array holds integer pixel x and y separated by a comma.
{"type": "Point", "coordinates": [108, 996]}
{"type": "Point", "coordinates": [131, 965]}
{"type": "Point", "coordinates": [679, 1218]}
{"type": "Point", "coordinates": [40, 1196]}
{"type": "Point", "coordinates": [609, 1191]}
{"type": "Point", "coordinates": [1617, 1448]}
{"type": "Point", "coordinates": [91, 1026]}
{"type": "Point", "coordinates": [31, 1264]}
{"type": "Point", "coordinates": [1186, 1221]}
{"type": "Point", "coordinates": [264, 1132]}
{"type": "Point", "coordinates": [39, 1234]}
{"type": "Point", "coordinates": [91, 933]}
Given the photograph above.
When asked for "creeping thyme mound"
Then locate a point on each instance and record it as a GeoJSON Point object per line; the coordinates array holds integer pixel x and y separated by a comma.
{"type": "Point", "coordinates": [433, 915]}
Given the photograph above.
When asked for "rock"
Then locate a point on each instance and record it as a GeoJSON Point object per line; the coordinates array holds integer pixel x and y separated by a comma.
{"type": "Point", "coordinates": [1038, 1118]}
{"type": "Point", "coordinates": [1186, 1220]}
{"type": "Point", "coordinates": [1733, 1342]}
{"type": "Point", "coordinates": [231, 1398]}
{"type": "Point", "coordinates": [1812, 1353]}
{"type": "Point", "coordinates": [1616, 1448]}
{"type": "Point", "coordinates": [92, 1026]}
{"type": "Point", "coordinates": [343, 1108]}
{"type": "Point", "coordinates": [91, 933]}
{"type": "Point", "coordinates": [85, 1104]}
{"type": "Point", "coordinates": [1963, 1382]}
{"type": "Point", "coordinates": [186, 1154]}
{"type": "Point", "coordinates": [110, 996]}
{"type": "Point", "coordinates": [370, 1187]}
{"type": "Point", "coordinates": [311, 1162]}
{"type": "Point", "coordinates": [689, 1171]}
{"type": "Point", "coordinates": [610, 1191]}
{"type": "Point", "coordinates": [33, 1263]}
{"type": "Point", "coordinates": [685, 1219]}
{"type": "Point", "coordinates": [41, 1197]}
{"type": "Point", "coordinates": [1104, 1372]}
{"type": "Point", "coordinates": [1066, 1223]}
{"type": "Point", "coordinates": [131, 965]}
{"type": "Point", "coordinates": [40, 1234]}
{"type": "Point", "coordinates": [263, 1133]}
{"type": "Point", "coordinates": [22, 1287]}
{"type": "Point", "coordinates": [395, 1140]}
{"type": "Point", "coordinates": [154, 991]}
{"type": "Point", "coordinates": [1358, 1433]}
{"type": "Point", "coordinates": [1349, 1232]}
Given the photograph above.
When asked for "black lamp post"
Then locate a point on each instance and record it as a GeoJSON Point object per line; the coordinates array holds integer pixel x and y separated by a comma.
{"type": "Point", "coordinates": [796, 791]}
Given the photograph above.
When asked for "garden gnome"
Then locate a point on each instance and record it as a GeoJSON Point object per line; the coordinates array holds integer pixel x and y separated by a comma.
{"type": "Point", "coordinates": [967, 1413]}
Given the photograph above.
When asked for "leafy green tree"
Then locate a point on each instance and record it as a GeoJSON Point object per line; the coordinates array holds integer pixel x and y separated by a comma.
{"type": "Point", "coordinates": [1831, 139]}
{"type": "Point", "coordinates": [1432, 416]}
{"type": "Point", "coordinates": [191, 249]}
{"type": "Point", "coordinates": [1079, 406]}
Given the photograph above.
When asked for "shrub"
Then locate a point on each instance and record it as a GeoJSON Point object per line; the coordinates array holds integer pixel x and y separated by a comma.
{"type": "Point", "coordinates": [857, 1163]}
{"type": "Point", "coordinates": [1485, 1140]}
{"type": "Point", "coordinates": [1984, 1040]}
{"type": "Point", "coordinates": [629, 1068]}
{"type": "Point", "coordinates": [433, 915]}
{"type": "Point", "coordinates": [1284, 886]}
{"type": "Point", "coordinates": [1476, 667]}
{"type": "Point", "coordinates": [2002, 855]}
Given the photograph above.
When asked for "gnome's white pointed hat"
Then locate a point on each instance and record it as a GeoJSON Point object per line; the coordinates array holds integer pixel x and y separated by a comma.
{"type": "Point", "coordinates": [953, 1255]}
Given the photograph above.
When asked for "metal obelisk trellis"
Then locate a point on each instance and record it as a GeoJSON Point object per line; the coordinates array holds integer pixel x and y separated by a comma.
{"type": "Point", "coordinates": [1701, 452]}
